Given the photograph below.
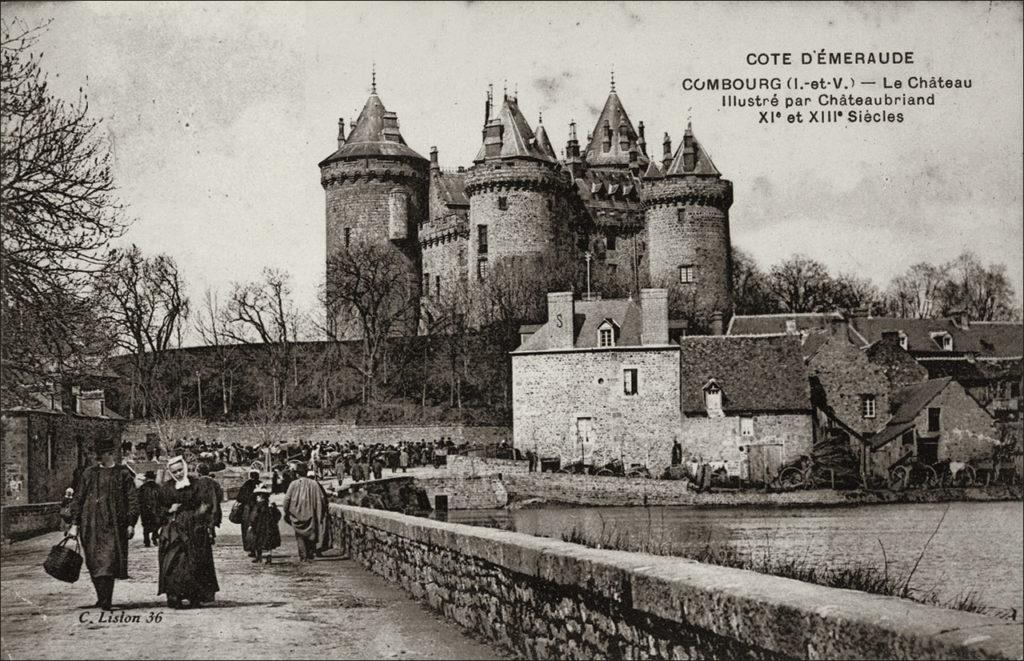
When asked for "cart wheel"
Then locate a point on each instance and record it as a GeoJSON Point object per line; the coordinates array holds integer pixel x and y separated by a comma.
{"type": "Point", "coordinates": [898, 478]}
{"type": "Point", "coordinates": [791, 478]}
{"type": "Point", "coordinates": [931, 478]}
{"type": "Point", "coordinates": [967, 477]}
{"type": "Point", "coordinates": [256, 465]}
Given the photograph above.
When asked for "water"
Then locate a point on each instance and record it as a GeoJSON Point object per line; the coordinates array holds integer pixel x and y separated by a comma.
{"type": "Point", "coordinates": [978, 547]}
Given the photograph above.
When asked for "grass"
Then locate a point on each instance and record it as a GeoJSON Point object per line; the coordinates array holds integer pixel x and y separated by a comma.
{"type": "Point", "coordinates": [863, 576]}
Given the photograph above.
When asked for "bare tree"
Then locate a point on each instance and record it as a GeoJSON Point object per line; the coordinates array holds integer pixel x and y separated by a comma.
{"type": "Point", "coordinates": [985, 294]}
{"type": "Point", "coordinates": [264, 313]}
{"type": "Point", "coordinates": [58, 213]}
{"type": "Point", "coordinates": [212, 325]}
{"type": "Point", "coordinates": [915, 294]}
{"type": "Point", "coordinates": [146, 308]}
{"type": "Point", "coordinates": [751, 293]}
{"type": "Point", "coordinates": [368, 287]}
{"type": "Point", "coordinates": [801, 284]}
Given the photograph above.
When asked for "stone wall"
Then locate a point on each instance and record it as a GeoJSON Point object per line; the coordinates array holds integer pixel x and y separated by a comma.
{"type": "Point", "coordinates": [292, 432]}
{"type": "Point", "coordinates": [968, 431]}
{"type": "Point", "coordinates": [846, 373]}
{"type": "Point", "coordinates": [21, 521]}
{"type": "Point", "coordinates": [552, 390]}
{"type": "Point", "coordinates": [465, 493]}
{"type": "Point", "coordinates": [543, 598]}
{"type": "Point", "coordinates": [463, 466]}
{"type": "Point", "coordinates": [719, 439]}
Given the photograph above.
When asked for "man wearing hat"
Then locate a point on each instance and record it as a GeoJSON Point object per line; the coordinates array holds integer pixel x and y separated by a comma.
{"type": "Point", "coordinates": [149, 507]}
{"type": "Point", "coordinates": [305, 510]}
{"type": "Point", "coordinates": [246, 500]}
{"type": "Point", "coordinates": [104, 513]}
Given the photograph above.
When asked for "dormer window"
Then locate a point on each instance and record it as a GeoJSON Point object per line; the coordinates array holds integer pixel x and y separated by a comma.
{"type": "Point", "coordinates": [606, 334]}
{"type": "Point", "coordinates": [903, 341]}
{"type": "Point", "coordinates": [713, 399]}
{"type": "Point", "coordinates": [791, 326]}
{"type": "Point", "coordinates": [944, 340]}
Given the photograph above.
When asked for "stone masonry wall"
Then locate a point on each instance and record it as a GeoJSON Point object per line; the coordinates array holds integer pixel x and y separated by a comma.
{"type": "Point", "coordinates": [552, 390]}
{"type": "Point", "coordinates": [14, 442]}
{"type": "Point", "coordinates": [968, 432]}
{"type": "Point", "coordinates": [466, 493]}
{"type": "Point", "coordinates": [846, 373]}
{"type": "Point", "coordinates": [542, 598]}
{"type": "Point", "coordinates": [718, 439]}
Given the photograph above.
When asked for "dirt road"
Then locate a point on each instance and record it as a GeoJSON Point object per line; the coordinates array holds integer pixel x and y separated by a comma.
{"type": "Point", "coordinates": [331, 608]}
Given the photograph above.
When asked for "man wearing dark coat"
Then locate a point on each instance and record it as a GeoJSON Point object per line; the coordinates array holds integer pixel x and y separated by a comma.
{"type": "Point", "coordinates": [149, 507]}
{"type": "Point", "coordinates": [104, 512]}
{"type": "Point", "coordinates": [246, 499]}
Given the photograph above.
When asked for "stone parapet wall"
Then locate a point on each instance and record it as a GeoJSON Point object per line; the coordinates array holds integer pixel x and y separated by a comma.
{"type": "Point", "coordinates": [21, 521]}
{"type": "Point", "coordinates": [542, 598]}
{"type": "Point", "coordinates": [462, 466]}
{"type": "Point", "coordinates": [292, 432]}
{"type": "Point", "coordinates": [466, 493]}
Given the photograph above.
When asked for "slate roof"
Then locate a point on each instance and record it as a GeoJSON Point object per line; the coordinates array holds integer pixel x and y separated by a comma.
{"type": "Point", "coordinates": [587, 317]}
{"type": "Point", "coordinates": [544, 143]}
{"type": "Point", "coordinates": [997, 339]}
{"type": "Point", "coordinates": [611, 197]}
{"type": "Point", "coordinates": [375, 134]}
{"type": "Point", "coordinates": [756, 373]}
{"type": "Point", "coordinates": [618, 121]}
{"type": "Point", "coordinates": [907, 403]}
{"type": "Point", "coordinates": [517, 138]}
{"type": "Point", "coordinates": [967, 370]}
{"type": "Point", "coordinates": [702, 164]}
{"type": "Point", "coordinates": [41, 404]}
{"type": "Point", "coordinates": [451, 186]}
{"type": "Point", "coordinates": [918, 332]}
{"type": "Point", "coordinates": [765, 324]}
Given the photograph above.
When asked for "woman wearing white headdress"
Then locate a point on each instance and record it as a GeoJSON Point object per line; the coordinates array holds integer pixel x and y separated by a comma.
{"type": "Point", "coordinates": [186, 557]}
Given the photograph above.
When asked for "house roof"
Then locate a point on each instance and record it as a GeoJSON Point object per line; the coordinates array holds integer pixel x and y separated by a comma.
{"type": "Point", "coordinates": [756, 373]}
{"type": "Point", "coordinates": [40, 403]}
{"type": "Point", "coordinates": [614, 117]}
{"type": "Point", "coordinates": [758, 324]}
{"type": "Point", "coordinates": [375, 134]}
{"type": "Point", "coordinates": [544, 143]}
{"type": "Point", "coordinates": [918, 331]}
{"type": "Point", "coordinates": [517, 138]}
{"type": "Point", "coordinates": [906, 404]}
{"type": "Point", "coordinates": [587, 318]}
{"type": "Point", "coordinates": [997, 339]}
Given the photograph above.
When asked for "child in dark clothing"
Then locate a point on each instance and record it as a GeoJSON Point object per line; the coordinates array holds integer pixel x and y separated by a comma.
{"type": "Point", "coordinates": [263, 524]}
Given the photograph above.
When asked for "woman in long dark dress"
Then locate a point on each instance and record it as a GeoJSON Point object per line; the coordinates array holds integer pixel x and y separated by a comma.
{"type": "Point", "coordinates": [186, 553]}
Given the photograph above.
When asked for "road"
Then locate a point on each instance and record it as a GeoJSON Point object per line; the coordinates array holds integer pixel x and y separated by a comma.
{"type": "Point", "coordinates": [329, 609]}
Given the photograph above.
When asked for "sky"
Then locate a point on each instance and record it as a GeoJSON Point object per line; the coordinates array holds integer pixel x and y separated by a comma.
{"type": "Point", "coordinates": [217, 115]}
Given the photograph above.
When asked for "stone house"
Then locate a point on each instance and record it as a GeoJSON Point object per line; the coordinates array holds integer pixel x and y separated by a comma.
{"type": "Point", "coordinates": [745, 403]}
{"type": "Point", "coordinates": [935, 420]}
{"type": "Point", "coordinates": [599, 382]}
{"type": "Point", "coordinates": [899, 366]}
{"type": "Point", "coordinates": [45, 443]}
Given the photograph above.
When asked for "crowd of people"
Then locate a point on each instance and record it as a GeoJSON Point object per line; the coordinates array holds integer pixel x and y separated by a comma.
{"type": "Point", "coordinates": [181, 517]}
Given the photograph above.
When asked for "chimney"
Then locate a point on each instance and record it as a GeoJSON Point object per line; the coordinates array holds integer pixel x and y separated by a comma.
{"type": "Point", "coordinates": [623, 137]}
{"type": "Point", "coordinates": [891, 337]}
{"type": "Point", "coordinates": [634, 161]}
{"type": "Point", "coordinates": [839, 325]}
{"type": "Point", "coordinates": [560, 319]}
{"type": "Point", "coordinates": [341, 132]}
{"type": "Point", "coordinates": [654, 315]}
{"type": "Point", "coordinates": [641, 141]}
{"type": "Point", "coordinates": [433, 159]}
{"type": "Point", "coordinates": [717, 328]}
{"type": "Point", "coordinates": [666, 153]}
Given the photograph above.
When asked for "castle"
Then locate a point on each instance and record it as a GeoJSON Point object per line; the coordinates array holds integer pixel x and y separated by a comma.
{"type": "Point", "coordinates": [665, 225]}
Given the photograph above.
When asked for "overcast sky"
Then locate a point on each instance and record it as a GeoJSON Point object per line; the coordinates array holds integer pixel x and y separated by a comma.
{"type": "Point", "coordinates": [219, 113]}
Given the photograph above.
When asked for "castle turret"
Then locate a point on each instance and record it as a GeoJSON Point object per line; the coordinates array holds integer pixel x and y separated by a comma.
{"type": "Point", "coordinates": [517, 194]}
{"type": "Point", "coordinates": [614, 138]}
{"type": "Point", "coordinates": [376, 190]}
{"type": "Point", "coordinates": [686, 213]}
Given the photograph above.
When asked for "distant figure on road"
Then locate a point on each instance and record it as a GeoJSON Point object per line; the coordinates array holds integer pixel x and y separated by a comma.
{"type": "Point", "coordinates": [66, 517]}
{"type": "Point", "coordinates": [104, 513]}
{"type": "Point", "coordinates": [246, 499]}
{"type": "Point", "coordinates": [186, 557]}
{"type": "Point", "coordinates": [261, 526]}
{"type": "Point", "coordinates": [149, 507]}
{"type": "Point", "coordinates": [305, 510]}
{"type": "Point", "coordinates": [677, 452]}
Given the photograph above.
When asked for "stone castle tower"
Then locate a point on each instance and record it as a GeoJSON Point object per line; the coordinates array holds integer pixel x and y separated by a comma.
{"type": "Point", "coordinates": [376, 189]}
{"type": "Point", "coordinates": [686, 210]}
{"type": "Point", "coordinates": [641, 223]}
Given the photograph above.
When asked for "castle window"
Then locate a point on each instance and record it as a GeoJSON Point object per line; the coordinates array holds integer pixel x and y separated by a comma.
{"type": "Point", "coordinates": [687, 274]}
{"type": "Point", "coordinates": [746, 426]}
{"type": "Point", "coordinates": [426, 284]}
{"type": "Point", "coordinates": [481, 268]}
{"type": "Point", "coordinates": [348, 236]}
{"type": "Point", "coordinates": [630, 377]}
{"type": "Point", "coordinates": [867, 406]}
{"type": "Point", "coordinates": [437, 286]}
{"type": "Point", "coordinates": [682, 215]}
{"type": "Point", "coordinates": [481, 239]}
{"type": "Point", "coordinates": [502, 202]}
{"type": "Point", "coordinates": [610, 241]}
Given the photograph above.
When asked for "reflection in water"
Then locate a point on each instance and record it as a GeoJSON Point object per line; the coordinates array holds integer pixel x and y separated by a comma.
{"type": "Point", "coordinates": [977, 548]}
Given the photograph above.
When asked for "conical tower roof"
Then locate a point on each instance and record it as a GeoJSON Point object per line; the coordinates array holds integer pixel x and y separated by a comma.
{"type": "Point", "coordinates": [375, 134]}
{"type": "Point", "coordinates": [543, 143]}
{"type": "Point", "coordinates": [653, 171]}
{"type": "Point", "coordinates": [702, 164]}
{"type": "Point", "coordinates": [517, 138]}
{"type": "Point", "coordinates": [613, 117]}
